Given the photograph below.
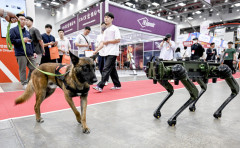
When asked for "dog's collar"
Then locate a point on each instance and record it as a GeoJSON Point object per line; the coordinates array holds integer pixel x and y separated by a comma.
{"type": "Point", "coordinates": [62, 69]}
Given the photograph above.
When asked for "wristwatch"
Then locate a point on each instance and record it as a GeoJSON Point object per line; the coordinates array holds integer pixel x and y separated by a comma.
{"type": "Point", "coordinates": [4, 14]}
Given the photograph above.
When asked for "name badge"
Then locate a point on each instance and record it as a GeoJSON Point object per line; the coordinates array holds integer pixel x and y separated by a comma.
{"type": "Point", "coordinates": [226, 55]}
{"type": "Point", "coordinates": [29, 43]}
{"type": "Point", "coordinates": [49, 46]}
{"type": "Point", "coordinates": [193, 51]}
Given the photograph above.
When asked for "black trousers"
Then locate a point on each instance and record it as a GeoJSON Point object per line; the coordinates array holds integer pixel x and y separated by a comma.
{"type": "Point", "coordinates": [101, 61]}
{"type": "Point", "coordinates": [109, 69]}
{"type": "Point", "coordinates": [60, 59]}
{"type": "Point", "coordinates": [229, 63]}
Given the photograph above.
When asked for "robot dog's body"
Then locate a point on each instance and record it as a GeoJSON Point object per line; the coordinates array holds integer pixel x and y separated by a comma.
{"type": "Point", "coordinates": [188, 72]}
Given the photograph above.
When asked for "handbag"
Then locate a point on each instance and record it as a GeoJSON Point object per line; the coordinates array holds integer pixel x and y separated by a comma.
{"type": "Point", "coordinates": [66, 59]}
{"type": "Point", "coordinates": [54, 53]}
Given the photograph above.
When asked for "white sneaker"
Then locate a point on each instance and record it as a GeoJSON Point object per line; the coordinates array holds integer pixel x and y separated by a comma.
{"type": "Point", "coordinates": [106, 83]}
{"type": "Point", "coordinates": [114, 88]}
{"type": "Point", "coordinates": [24, 86]}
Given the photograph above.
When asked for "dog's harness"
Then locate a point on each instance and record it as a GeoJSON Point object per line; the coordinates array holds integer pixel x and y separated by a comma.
{"type": "Point", "coordinates": [61, 69]}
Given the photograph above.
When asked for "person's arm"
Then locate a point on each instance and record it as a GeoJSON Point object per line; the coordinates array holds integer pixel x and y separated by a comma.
{"type": "Point", "coordinates": [69, 46]}
{"type": "Point", "coordinates": [77, 43]}
{"type": "Point", "coordinates": [15, 39]}
{"type": "Point", "coordinates": [98, 48]}
{"type": "Point", "coordinates": [111, 42]}
{"type": "Point", "coordinates": [9, 16]}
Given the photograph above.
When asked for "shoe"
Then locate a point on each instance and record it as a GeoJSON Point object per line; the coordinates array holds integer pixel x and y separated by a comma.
{"type": "Point", "coordinates": [114, 88]}
{"type": "Point", "coordinates": [24, 86]}
{"type": "Point", "coordinates": [106, 83]}
{"type": "Point", "coordinates": [97, 88]}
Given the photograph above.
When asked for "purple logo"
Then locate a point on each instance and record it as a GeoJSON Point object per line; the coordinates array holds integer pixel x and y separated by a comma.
{"type": "Point", "coordinates": [145, 23]}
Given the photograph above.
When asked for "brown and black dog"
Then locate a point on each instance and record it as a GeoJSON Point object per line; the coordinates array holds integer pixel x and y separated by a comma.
{"type": "Point", "coordinates": [76, 82]}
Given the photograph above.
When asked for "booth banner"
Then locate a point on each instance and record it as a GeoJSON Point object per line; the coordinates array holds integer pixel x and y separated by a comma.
{"type": "Point", "coordinates": [219, 33]}
{"type": "Point", "coordinates": [69, 26]}
{"type": "Point", "coordinates": [204, 38]}
{"type": "Point", "coordinates": [148, 46]}
{"type": "Point", "coordinates": [238, 33]}
{"type": "Point", "coordinates": [89, 18]}
{"type": "Point", "coordinates": [205, 44]}
{"type": "Point", "coordinates": [187, 43]}
{"type": "Point", "coordinates": [136, 21]}
{"type": "Point", "coordinates": [204, 27]}
{"type": "Point", "coordinates": [147, 57]}
{"type": "Point", "coordinates": [217, 42]}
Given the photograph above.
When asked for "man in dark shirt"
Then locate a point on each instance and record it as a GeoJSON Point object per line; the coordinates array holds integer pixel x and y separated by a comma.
{"type": "Point", "coordinates": [211, 53]}
{"type": "Point", "coordinates": [196, 50]}
{"type": "Point", "coordinates": [230, 57]}
{"type": "Point", "coordinates": [36, 39]}
{"type": "Point", "coordinates": [19, 51]}
{"type": "Point", "coordinates": [49, 42]}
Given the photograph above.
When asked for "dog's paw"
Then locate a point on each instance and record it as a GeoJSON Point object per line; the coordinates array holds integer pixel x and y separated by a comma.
{"type": "Point", "coordinates": [40, 120]}
{"type": "Point", "coordinates": [86, 130]}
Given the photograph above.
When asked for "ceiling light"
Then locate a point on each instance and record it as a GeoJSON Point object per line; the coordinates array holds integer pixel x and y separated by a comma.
{"type": "Point", "coordinates": [195, 0]}
{"type": "Point", "coordinates": [42, 8]}
{"type": "Point", "coordinates": [178, 16]}
{"type": "Point", "coordinates": [226, 1]}
{"type": "Point", "coordinates": [160, 9]}
{"type": "Point", "coordinates": [54, 3]}
{"type": "Point", "coordinates": [217, 14]}
{"type": "Point", "coordinates": [47, 4]}
{"type": "Point", "coordinates": [211, 9]}
{"type": "Point", "coordinates": [232, 6]}
{"type": "Point", "coordinates": [170, 13]}
{"type": "Point", "coordinates": [221, 20]}
{"type": "Point", "coordinates": [169, 18]}
{"type": "Point", "coordinates": [182, 4]}
{"type": "Point", "coordinates": [237, 4]}
{"type": "Point", "coordinates": [204, 18]}
{"type": "Point", "coordinates": [238, 10]}
{"type": "Point", "coordinates": [193, 13]}
{"type": "Point", "coordinates": [150, 11]}
{"type": "Point", "coordinates": [149, 5]}
{"type": "Point", "coordinates": [198, 12]}
{"type": "Point", "coordinates": [128, 3]}
{"type": "Point", "coordinates": [200, 16]}
{"type": "Point", "coordinates": [155, 4]}
{"type": "Point", "coordinates": [204, 6]}
{"type": "Point", "coordinates": [176, 5]}
{"type": "Point", "coordinates": [136, 1]}
{"type": "Point", "coordinates": [185, 9]}
{"type": "Point", "coordinates": [84, 10]}
{"type": "Point", "coordinates": [190, 18]}
{"type": "Point", "coordinates": [38, 4]}
{"type": "Point", "coordinates": [165, 1]}
{"type": "Point", "coordinates": [159, 14]}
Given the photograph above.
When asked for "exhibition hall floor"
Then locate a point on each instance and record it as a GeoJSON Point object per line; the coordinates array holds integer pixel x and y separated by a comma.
{"type": "Point", "coordinates": [127, 119]}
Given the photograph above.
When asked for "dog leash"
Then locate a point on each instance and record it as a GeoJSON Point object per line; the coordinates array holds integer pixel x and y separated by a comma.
{"type": "Point", "coordinates": [9, 45]}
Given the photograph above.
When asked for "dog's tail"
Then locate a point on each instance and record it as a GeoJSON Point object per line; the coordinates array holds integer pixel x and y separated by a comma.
{"type": "Point", "coordinates": [26, 95]}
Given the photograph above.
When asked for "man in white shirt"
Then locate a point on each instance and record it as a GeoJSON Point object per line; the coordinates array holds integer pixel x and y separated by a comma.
{"type": "Point", "coordinates": [186, 52]}
{"type": "Point", "coordinates": [110, 42]}
{"type": "Point", "coordinates": [167, 47]}
{"type": "Point", "coordinates": [83, 42]}
{"type": "Point", "coordinates": [63, 45]}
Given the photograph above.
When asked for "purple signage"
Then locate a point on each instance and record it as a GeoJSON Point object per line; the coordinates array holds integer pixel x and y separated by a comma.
{"type": "Point", "coordinates": [69, 26]}
{"type": "Point", "coordinates": [136, 21]}
{"type": "Point", "coordinates": [148, 46]}
{"type": "Point", "coordinates": [156, 45]}
{"type": "Point", "coordinates": [89, 18]}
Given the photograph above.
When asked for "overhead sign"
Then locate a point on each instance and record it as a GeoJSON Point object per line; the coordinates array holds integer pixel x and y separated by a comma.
{"type": "Point", "coordinates": [208, 1]}
{"type": "Point", "coordinates": [140, 22]}
{"type": "Point", "coordinates": [69, 26]}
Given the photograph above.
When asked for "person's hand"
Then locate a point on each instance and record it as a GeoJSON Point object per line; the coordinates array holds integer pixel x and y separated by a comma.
{"type": "Point", "coordinates": [11, 17]}
{"type": "Point", "coordinates": [95, 52]}
{"type": "Point", "coordinates": [234, 61]}
{"type": "Point", "coordinates": [35, 55]}
{"type": "Point", "coordinates": [90, 46]}
{"type": "Point", "coordinates": [43, 52]}
{"type": "Point", "coordinates": [105, 43]}
{"type": "Point", "coordinates": [26, 39]}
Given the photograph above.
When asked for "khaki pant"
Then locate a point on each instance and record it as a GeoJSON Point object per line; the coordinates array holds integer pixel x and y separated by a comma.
{"type": "Point", "coordinates": [23, 63]}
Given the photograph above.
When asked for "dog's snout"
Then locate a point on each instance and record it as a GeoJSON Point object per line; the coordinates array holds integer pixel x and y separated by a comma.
{"type": "Point", "coordinates": [94, 80]}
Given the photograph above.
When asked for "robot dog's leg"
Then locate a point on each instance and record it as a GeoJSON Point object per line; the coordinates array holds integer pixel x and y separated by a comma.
{"type": "Point", "coordinates": [180, 73]}
{"type": "Point", "coordinates": [226, 73]}
{"type": "Point", "coordinates": [169, 88]}
{"type": "Point", "coordinates": [203, 86]}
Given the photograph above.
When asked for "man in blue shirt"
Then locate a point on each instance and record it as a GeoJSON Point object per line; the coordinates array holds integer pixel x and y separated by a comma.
{"type": "Point", "coordinates": [19, 51]}
{"type": "Point", "coordinates": [49, 42]}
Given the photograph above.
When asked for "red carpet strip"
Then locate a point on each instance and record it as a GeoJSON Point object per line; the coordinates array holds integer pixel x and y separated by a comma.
{"type": "Point", "coordinates": [57, 100]}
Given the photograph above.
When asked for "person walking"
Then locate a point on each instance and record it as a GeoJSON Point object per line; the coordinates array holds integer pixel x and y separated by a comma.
{"type": "Point", "coordinates": [36, 39]}
{"type": "Point", "coordinates": [110, 42]}
{"type": "Point", "coordinates": [230, 57]}
{"type": "Point", "coordinates": [63, 45]}
{"type": "Point", "coordinates": [19, 51]}
{"type": "Point", "coordinates": [83, 42]}
{"type": "Point", "coordinates": [211, 53]}
{"type": "Point", "coordinates": [196, 50]}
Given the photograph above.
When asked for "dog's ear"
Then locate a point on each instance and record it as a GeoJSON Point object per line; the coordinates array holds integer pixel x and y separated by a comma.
{"type": "Point", "coordinates": [94, 56]}
{"type": "Point", "coordinates": [74, 58]}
